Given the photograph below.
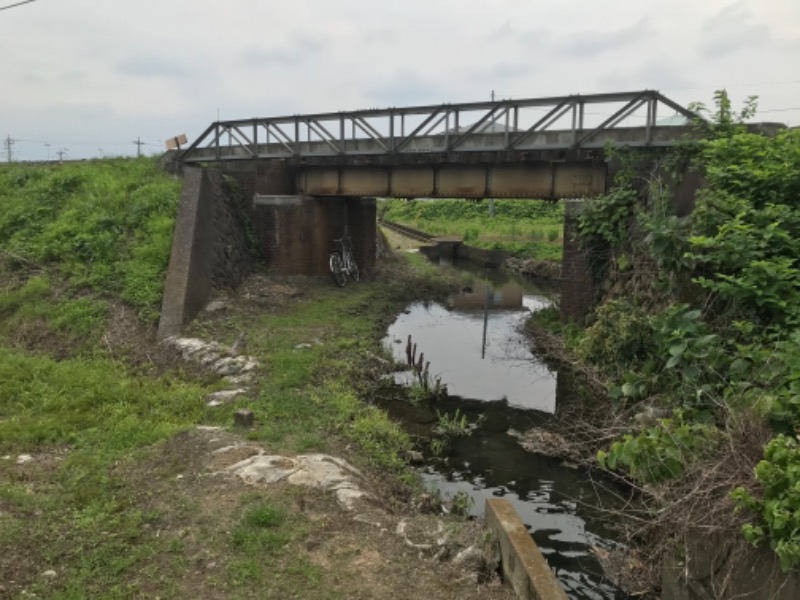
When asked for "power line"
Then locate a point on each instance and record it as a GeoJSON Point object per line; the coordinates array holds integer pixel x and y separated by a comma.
{"type": "Point", "coordinates": [779, 109]}
{"type": "Point", "coordinates": [16, 4]}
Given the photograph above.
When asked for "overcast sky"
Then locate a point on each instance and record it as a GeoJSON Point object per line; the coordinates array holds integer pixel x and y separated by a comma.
{"type": "Point", "coordinates": [92, 76]}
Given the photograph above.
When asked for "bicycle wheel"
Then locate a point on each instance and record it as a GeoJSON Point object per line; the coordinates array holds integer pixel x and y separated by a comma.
{"type": "Point", "coordinates": [337, 271]}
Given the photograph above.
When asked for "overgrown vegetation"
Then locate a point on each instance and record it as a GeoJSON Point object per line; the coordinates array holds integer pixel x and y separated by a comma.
{"type": "Point", "coordinates": [524, 228]}
{"type": "Point", "coordinates": [700, 318]}
{"type": "Point", "coordinates": [100, 501]}
{"type": "Point", "coordinates": [99, 226]}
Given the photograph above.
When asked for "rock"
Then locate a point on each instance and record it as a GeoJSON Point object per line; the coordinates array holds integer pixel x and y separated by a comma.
{"type": "Point", "coordinates": [49, 574]}
{"type": "Point", "coordinates": [243, 418]}
{"type": "Point", "coordinates": [415, 458]}
{"type": "Point", "coordinates": [24, 458]}
{"type": "Point", "coordinates": [237, 344]}
{"type": "Point", "coordinates": [241, 379]}
{"type": "Point", "coordinates": [471, 558]}
{"type": "Point", "coordinates": [311, 470]}
{"type": "Point", "coordinates": [216, 306]}
{"type": "Point", "coordinates": [228, 366]}
{"type": "Point", "coordinates": [233, 365]}
{"type": "Point", "coordinates": [190, 346]}
{"type": "Point", "coordinates": [223, 396]}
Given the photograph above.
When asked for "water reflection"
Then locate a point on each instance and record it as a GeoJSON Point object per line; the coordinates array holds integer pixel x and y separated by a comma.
{"type": "Point", "coordinates": [559, 504]}
{"type": "Point", "coordinates": [474, 344]}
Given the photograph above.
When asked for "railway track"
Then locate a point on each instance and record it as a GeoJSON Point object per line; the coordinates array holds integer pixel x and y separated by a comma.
{"type": "Point", "coordinates": [407, 231]}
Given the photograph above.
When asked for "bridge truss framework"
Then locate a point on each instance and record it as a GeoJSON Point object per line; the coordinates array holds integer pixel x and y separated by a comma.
{"type": "Point", "coordinates": [505, 126]}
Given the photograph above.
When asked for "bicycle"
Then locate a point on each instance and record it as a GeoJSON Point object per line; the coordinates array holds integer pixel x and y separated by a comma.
{"type": "Point", "coordinates": [341, 261]}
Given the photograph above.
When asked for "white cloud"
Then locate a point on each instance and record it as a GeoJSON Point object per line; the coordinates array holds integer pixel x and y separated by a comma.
{"type": "Point", "coordinates": [82, 71]}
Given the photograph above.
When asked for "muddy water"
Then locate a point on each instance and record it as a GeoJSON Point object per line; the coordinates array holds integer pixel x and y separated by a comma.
{"type": "Point", "coordinates": [474, 346]}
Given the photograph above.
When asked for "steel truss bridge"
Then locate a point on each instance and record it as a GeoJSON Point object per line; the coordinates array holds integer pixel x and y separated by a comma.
{"type": "Point", "coordinates": [536, 147]}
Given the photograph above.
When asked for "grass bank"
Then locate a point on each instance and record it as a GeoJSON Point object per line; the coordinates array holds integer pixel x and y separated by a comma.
{"type": "Point", "coordinates": [524, 228]}
{"type": "Point", "coordinates": [106, 484]}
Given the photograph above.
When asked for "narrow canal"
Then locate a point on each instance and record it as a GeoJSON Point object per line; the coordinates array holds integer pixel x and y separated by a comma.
{"type": "Point", "coordinates": [494, 379]}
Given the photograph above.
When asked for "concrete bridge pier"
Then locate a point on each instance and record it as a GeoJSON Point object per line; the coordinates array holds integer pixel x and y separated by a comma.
{"type": "Point", "coordinates": [294, 233]}
{"type": "Point", "coordinates": [577, 280]}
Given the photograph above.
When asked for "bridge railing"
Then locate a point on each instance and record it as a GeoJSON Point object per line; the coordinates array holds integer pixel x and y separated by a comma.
{"type": "Point", "coordinates": [503, 125]}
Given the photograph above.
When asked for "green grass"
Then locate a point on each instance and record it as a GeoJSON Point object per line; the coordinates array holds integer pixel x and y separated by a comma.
{"type": "Point", "coordinates": [103, 225]}
{"type": "Point", "coordinates": [524, 228]}
{"type": "Point", "coordinates": [87, 519]}
{"type": "Point", "coordinates": [76, 240]}
{"type": "Point", "coordinates": [262, 541]}
{"type": "Point", "coordinates": [315, 390]}
{"type": "Point", "coordinates": [91, 403]}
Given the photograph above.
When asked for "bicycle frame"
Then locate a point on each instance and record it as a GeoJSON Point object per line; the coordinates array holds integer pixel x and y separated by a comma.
{"type": "Point", "coordinates": [341, 260]}
{"type": "Point", "coordinates": [344, 246]}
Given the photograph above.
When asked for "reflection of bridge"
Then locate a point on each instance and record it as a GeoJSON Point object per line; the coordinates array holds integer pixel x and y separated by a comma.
{"type": "Point", "coordinates": [533, 148]}
{"type": "Point", "coordinates": [507, 296]}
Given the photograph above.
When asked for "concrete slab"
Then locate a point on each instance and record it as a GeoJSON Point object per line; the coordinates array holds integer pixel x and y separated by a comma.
{"type": "Point", "coordinates": [524, 566]}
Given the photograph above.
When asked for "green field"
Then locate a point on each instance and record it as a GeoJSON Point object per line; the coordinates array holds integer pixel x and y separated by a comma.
{"type": "Point", "coordinates": [524, 228]}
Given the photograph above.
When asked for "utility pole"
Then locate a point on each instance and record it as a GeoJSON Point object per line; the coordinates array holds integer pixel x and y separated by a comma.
{"type": "Point", "coordinates": [139, 143]}
{"type": "Point", "coordinates": [61, 152]}
{"type": "Point", "coordinates": [9, 144]}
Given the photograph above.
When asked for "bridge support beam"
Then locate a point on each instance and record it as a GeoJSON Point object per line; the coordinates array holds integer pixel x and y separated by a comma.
{"type": "Point", "coordinates": [542, 179]}
{"type": "Point", "coordinates": [293, 233]}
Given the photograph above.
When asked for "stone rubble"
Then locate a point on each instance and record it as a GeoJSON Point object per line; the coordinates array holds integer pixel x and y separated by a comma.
{"type": "Point", "coordinates": [224, 396]}
{"type": "Point", "coordinates": [310, 470]}
{"type": "Point", "coordinates": [217, 358]}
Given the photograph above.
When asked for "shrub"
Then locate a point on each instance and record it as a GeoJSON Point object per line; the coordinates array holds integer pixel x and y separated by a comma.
{"type": "Point", "coordinates": [778, 517]}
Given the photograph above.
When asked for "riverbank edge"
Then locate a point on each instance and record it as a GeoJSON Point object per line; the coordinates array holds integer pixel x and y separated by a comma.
{"type": "Point", "coordinates": [585, 428]}
{"type": "Point", "coordinates": [670, 570]}
{"type": "Point", "coordinates": [353, 343]}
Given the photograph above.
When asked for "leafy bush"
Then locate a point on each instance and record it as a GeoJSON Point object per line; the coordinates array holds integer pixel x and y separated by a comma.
{"type": "Point", "coordinates": [660, 452]}
{"type": "Point", "coordinates": [619, 336]}
{"type": "Point", "coordinates": [748, 256]}
{"type": "Point", "coordinates": [604, 220]}
{"type": "Point", "coordinates": [728, 340]}
{"type": "Point", "coordinates": [777, 511]}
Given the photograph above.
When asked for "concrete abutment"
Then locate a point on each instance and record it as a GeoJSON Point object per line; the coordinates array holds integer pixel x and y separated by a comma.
{"type": "Point", "coordinates": [289, 234]}
{"type": "Point", "coordinates": [209, 248]}
{"type": "Point", "coordinates": [294, 233]}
